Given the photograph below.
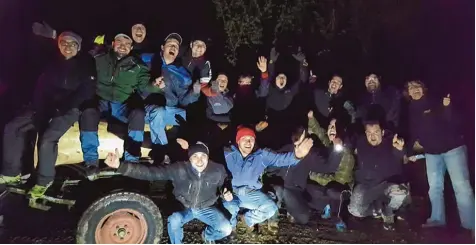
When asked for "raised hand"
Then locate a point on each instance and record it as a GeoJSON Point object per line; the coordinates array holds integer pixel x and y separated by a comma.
{"type": "Point", "coordinates": [262, 64]}
{"type": "Point", "coordinates": [159, 82]}
{"type": "Point", "coordinates": [44, 30]}
{"type": "Point", "coordinates": [261, 126]}
{"type": "Point", "coordinates": [303, 149]}
{"type": "Point", "coordinates": [197, 87]}
{"type": "Point", "coordinates": [446, 100]}
{"type": "Point", "coordinates": [398, 143]}
{"type": "Point", "coordinates": [227, 195]}
{"type": "Point", "coordinates": [300, 56]}
{"type": "Point", "coordinates": [273, 55]}
{"type": "Point", "coordinates": [310, 114]}
{"type": "Point", "coordinates": [215, 86]}
{"type": "Point", "coordinates": [112, 159]}
{"type": "Point", "coordinates": [183, 143]}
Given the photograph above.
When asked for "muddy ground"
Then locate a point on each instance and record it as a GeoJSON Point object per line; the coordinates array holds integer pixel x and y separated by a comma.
{"type": "Point", "coordinates": [25, 225]}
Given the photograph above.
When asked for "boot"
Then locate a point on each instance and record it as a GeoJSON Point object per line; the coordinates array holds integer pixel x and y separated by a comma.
{"type": "Point", "coordinates": [38, 191]}
{"type": "Point", "coordinates": [10, 180]}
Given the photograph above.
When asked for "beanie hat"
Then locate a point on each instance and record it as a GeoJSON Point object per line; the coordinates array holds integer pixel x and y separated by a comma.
{"type": "Point", "coordinates": [244, 131]}
{"type": "Point", "coordinates": [71, 35]}
{"type": "Point", "coordinates": [197, 147]}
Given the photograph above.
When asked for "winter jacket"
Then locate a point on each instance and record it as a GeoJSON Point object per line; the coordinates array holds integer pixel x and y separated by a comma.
{"type": "Point", "coordinates": [376, 164]}
{"type": "Point", "coordinates": [436, 127]}
{"type": "Point", "coordinates": [191, 188]}
{"type": "Point", "coordinates": [219, 107]}
{"type": "Point", "coordinates": [248, 108]}
{"type": "Point", "coordinates": [246, 172]}
{"type": "Point", "coordinates": [199, 68]}
{"type": "Point", "coordinates": [118, 79]}
{"type": "Point", "coordinates": [324, 101]}
{"type": "Point", "coordinates": [383, 104]}
{"type": "Point", "coordinates": [279, 99]}
{"type": "Point", "coordinates": [178, 89]}
{"type": "Point", "coordinates": [296, 176]}
{"type": "Point", "coordinates": [64, 85]}
{"type": "Point", "coordinates": [341, 164]}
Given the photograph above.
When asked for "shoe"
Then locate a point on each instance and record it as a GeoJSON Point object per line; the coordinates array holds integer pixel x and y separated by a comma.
{"type": "Point", "coordinates": [432, 224]}
{"type": "Point", "coordinates": [10, 180]}
{"type": "Point", "coordinates": [166, 160]}
{"type": "Point", "coordinates": [273, 227]}
{"type": "Point", "coordinates": [290, 218]}
{"type": "Point", "coordinates": [205, 240]}
{"type": "Point", "coordinates": [326, 213]}
{"type": "Point", "coordinates": [38, 191]}
{"type": "Point", "coordinates": [389, 226]}
{"type": "Point", "coordinates": [91, 169]}
{"type": "Point", "coordinates": [341, 226]}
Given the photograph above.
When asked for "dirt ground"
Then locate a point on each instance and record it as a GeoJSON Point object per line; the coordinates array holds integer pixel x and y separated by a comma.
{"type": "Point", "coordinates": [25, 225]}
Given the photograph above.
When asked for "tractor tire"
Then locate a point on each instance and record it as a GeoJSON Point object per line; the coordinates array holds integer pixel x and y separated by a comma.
{"type": "Point", "coordinates": [118, 218]}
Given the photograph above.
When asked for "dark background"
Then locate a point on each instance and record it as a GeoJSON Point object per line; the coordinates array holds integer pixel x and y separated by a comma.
{"type": "Point", "coordinates": [439, 51]}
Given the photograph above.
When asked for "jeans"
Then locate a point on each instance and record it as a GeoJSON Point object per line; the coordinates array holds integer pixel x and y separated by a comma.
{"type": "Point", "coordinates": [158, 117]}
{"type": "Point", "coordinates": [16, 139]}
{"type": "Point", "coordinates": [364, 197]}
{"type": "Point", "coordinates": [89, 129]}
{"type": "Point", "coordinates": [456, 162]}
{"type": "Point", "coordinates": [217, 228]}
{"type": "Point", "coordinates": [260, 206]}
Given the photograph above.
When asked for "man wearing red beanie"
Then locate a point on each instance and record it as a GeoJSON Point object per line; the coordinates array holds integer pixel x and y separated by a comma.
{"type": "Point", "coordinates": [246, 165]}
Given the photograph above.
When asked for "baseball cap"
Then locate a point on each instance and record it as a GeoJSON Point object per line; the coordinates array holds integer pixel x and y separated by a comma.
{"type": "Point", "coordinates": [175, 36]}
{"type": "Point", "coordinates": [122, 35]}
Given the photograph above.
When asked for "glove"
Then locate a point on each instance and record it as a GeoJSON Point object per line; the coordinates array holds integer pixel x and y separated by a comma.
{"type": "Point", "coordinates": [215, 87]}
{"type": "Point", "coordinates": [197, 87]}
{"type": "Point", "coordinates": [273, 55]}
{"type": "Point", "coordinates": [44, 30]}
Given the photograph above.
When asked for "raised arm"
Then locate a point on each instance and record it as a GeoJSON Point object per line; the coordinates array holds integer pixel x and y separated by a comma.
{"type": "Point", "coordinates": [315, 128]}
{"type": "Point", "coordinates": [264, 79]}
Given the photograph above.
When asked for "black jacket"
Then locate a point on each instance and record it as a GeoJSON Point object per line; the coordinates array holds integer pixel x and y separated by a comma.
{"type": "Point", "coordinates": [297, 175]}
{"type": "Point", "coordinates": [192, 189]}
{"type": "Point", "coordinates": [382, 105]}
{"type": "Point", "coordinates": [435, 126]}
{"type": "Point", "coordinates": [376, 164]}
{"type": "Point", "coordinates": [339, 104]}
{"type": "Point", "coordinates": [64, 85]}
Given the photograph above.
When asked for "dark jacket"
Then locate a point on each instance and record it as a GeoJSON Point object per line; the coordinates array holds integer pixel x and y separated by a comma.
{"type": "Point", "coordinates": [376, 164]}
{"type": "Point", "coordinates": [297, 175]}
{"type": "Point", "coordinates": [436, 127]}
{"type": "Point", "coordinates": [248, 107]}
{"type": "Point", "coordinates": [219, 107]}
{"type": "Point", "coordinates": [383, 105]}
{"type": "Point", "coordinates": [324, 101]}
{"type": "Point", "coordinates": [279, 99]}
{"type": "Point", "coordinates": [191, 188]}
{"type": "Point", "coordinates": [246, 172]}
{"type": "Point", "coordinates": [64, 85]}
{"type": "Point", "coordinates": [199, 68]}
{"type": "Point", "coordinates": [119, 79]}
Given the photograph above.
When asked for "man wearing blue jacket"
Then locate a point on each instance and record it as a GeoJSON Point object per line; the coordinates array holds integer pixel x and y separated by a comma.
{"type": "Point", "coordinates": [246, 165]}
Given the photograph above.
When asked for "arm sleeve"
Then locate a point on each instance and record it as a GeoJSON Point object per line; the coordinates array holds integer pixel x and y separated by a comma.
{"type": "Point", "coordinates": [189, 98]}
{"type": "Point", "coordinates": [206, 73]}
{"type": "Point", "coordinates": [149, 173]}
{"type": "Point", "coordinates": [263, 86]}
{"type": "Point", "coordinates": [315, 128]}
{"type": "Point", "coordinates": [144, 83]}
{"type": "Point", "coordinates": [271, 158]}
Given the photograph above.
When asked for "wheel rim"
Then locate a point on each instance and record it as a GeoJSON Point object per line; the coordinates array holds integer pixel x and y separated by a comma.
{"type": "Point", "coordinates": [123, 226]}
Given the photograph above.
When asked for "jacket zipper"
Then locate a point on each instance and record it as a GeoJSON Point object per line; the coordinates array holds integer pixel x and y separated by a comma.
{"type": "Point", "coordinates": [112, 79]}
{"type": "Point", "coordinates": [198, 192]}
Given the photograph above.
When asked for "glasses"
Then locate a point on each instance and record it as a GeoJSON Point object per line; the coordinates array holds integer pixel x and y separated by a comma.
{"type": "Point", "coordinates": [68, 44]}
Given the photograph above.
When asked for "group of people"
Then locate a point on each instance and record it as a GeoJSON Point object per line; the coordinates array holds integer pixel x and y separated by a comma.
{"type": "Point", "coordinates": [342, 153]}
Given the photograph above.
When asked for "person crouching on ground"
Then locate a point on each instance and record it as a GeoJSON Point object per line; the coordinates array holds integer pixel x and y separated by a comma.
{"type": "Point", "coordinates": [379, 172]}
{"type": "Point", "coordinates": [197, 183]}
{"type": "Point", "coordinates": [246, 165]}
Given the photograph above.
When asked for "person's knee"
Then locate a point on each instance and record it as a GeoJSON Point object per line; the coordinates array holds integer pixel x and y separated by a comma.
{"type": "Point", "coordinates": [269, 208]}
{"type": "Point", "coordinates": [89, 119]}
{"type": "Point", "coordinates": [462, 187]}
{"type": "Point", "coordinates": [225, 228]}
{"type": "Point", "coordinates": [175, 221]}
{"type": "Point", "coordinates": [136, 119]}
{"type": "Point", "coordinates": [231, 207]}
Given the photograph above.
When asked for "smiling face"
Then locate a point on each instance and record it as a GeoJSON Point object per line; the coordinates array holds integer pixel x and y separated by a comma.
{"type": "Point", "coordinates": [170, 50]}
{"type": "Point", "coordinates": [122, 46]}
{"type": "Point", "coordinates": [374, 134]}
{"type": "Point", "coordinates": [415, 90]}
{"type": "Point", "coordinates": [372, 82]}
{"type": "Point", "coordinates": [68, 47]}
{"type": "Point", "coordinates": [281, 80]}
{"type": "Point", "coordinates": [332, 129]}
{"type": "Point", "coordinates": [138, 32]}
{"type": "Point", "coordinates": [198, 48]}
{"type": "Point", "coordinates": [199, 161]}
{"type": "Point", "coordinates": [246, 145]}
{"type": "Point", "coordinates": [222, 80]}
{"type": "Point", "coordinates": [335, 84]}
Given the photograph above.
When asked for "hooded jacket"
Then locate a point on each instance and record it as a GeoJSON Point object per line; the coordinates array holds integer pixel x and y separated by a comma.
{"type": "Point", "coordinates": [219, 107]}
{"type": "Point", "coordinates": [376, 164]}
{"type": "Point", "coordinates": [383, 104]}
{"type": "Point", "coordinates": [324, 101]}
{"type": "Point", "coordinates": [191, 188]}
{"type": "Point", "coordinates": [246, 172]}
{"type": "Point", "coordinates": [434, 125]}
{"type": "Point", "coordinates": [64, 85]}
{"type": "Point", "coordinates": [199, 68]}
{"type": "Point", "coordinates": [118, 79]}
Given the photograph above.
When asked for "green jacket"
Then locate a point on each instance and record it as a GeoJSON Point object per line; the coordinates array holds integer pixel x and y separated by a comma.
{"type": "Point", "coordinates": [344, 173]}
{"type": "Point", "coordinates": [118, 79]}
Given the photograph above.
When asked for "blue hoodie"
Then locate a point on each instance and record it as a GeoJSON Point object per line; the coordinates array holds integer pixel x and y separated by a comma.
{"type": "Point", "coordinates": [246, 172]}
